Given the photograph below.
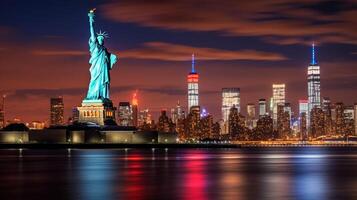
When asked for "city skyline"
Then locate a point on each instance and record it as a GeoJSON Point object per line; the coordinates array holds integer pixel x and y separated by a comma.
{"type": "Point", "coordinates": [222, 63]}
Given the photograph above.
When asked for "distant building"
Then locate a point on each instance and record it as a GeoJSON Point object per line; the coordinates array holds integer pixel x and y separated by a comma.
{"type": "Point", "coordinates": [2, 119]}
{"type": "Point", "coordinates": [283, 121]}
{"type": "Point", "coordinates": [278, 99]}
{"type": "Point", "coordinates": [2, 113]}
{"type": "Point", "coordinates": [303, 126]}
{"type": "Point", "coordinates": [192, 83]}
{"type": "Point", "coordinates": [327, 109]}
{"type": "Point", "coordinates": [192, 123]}
{"type": "Point", "coordinates": [163, 123]}
{"type": "Point", "coordinates": [313, 82]}
{"type": "Point", "coordinates": [355, 109]}
{"type": "Point", "coordinates": [264, 129]}
{"type": "Point", "coordinates": [230, 98]}
{"type": "Point", "coordinates": [317, 124]}
{"type": "Point", "coordinates": [75, 114]}
{"type": "Point", "coordinates": [206, 127]}
{"type": "Point", "coordinates": [303, 107]}
{"type": "Point", "coordinates": [349, 117]}
{"type": "Point", "coordinates": [56, 111]}
{"type": "Point", "coordinates": [144, 117]}
{"type": "Point", "coordinates": [36, 125]}
{"type": "Point", "coordinates": [235, 124]}
{"type": "Point", "coordinates": [262, 107]}
{"type": "Point", "coordinates": [134, 109]}
{"type": "Point", "coordinates": [339, 118]}
{"type": "Point", "coordinates": [125, 114]}
{"type": "Point", "coordinates": [177, 113]}
{"type": "Point", "coordinates": [251, 120]}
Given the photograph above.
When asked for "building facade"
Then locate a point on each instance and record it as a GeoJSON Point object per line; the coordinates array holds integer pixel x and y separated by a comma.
{"type": "Point", "coordinates": [124, 114]}
{"type": "Point", "coordinates": [278, 99]}
{"type": "Point", "coordinates": [135, 109]}
{"type": "Point", "coordinates": [56, 111]}
{"type": "Point", "coordinates": [192, 83]}
{"type": "Point", "coordinates": [230, 98]}
{"type": "Point", "coordinates": [262, 107]}
{"type": "Point", "coordinates": [355, 109]}
{"type": "Point", "coordinates": [313, 82]}
{"type": "Point", "coordinates": [251, 119]}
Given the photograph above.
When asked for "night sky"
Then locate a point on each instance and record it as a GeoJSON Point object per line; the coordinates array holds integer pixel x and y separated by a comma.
{"type": "Point", "coordinates": [247, 44]}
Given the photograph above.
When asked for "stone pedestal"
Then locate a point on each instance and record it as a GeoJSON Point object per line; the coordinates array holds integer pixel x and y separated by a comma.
{"type": "Point", "coordinates": [96, 111]}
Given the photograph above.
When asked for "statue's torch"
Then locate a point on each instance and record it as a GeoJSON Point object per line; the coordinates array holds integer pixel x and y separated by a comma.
{"type": "Point", "coordinates": [91, 13]}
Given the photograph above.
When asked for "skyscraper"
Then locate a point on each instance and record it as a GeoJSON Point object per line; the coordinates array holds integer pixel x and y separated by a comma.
{"type": "Point", "coordinates": [262, 107]}
{"type": "Point", "coordinates": [355, 108]}
{"type": "Point", "coordinates": [278, 99]}
{"type": "Point", "coordinates": [339, 119]}
{"type": "Point", "coordinates": [283, 120]}
{"type": "Point", "coordinates": [144, 117]}
{"type": "Point", "coordinates": [349, 117]}
{"type": "Point", "coordinates": [57, 111]}
{"type": "Point", "coordinates": [2, 112]}
{"type": "Point", "coordinates": [164, 123]}
{"type": "Point", "coordinates": [251, 110]}
{"type": "Point", "coordinates": [124, 114]}
{"type": "Point", "coordinates": [230, 98]}
{"type": "Point", "coordinates": [192, 81]}
{"type": "Point", "coordinates": [251, 122]}
{"type": "Point", "coordinates": [75, 114]}
{"type": "Point", "coordinates": [303, 106]}
{"type": "Point", "coordinates": [177, 113]}
{"type": "Point", "coordinates": [303, 112]}
{"type": "Point", "coordinates": [134, 109]}
{"type": "Point", "coordinates": [327, 108]}
{"type": "Point", "coordinates": [313, 82]}
{"type": "Point", "coordinates": [317, 125]}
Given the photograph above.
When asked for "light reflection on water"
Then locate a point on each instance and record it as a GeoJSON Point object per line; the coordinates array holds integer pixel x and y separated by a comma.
{"type": "Point", "coordinates": [305, 173]}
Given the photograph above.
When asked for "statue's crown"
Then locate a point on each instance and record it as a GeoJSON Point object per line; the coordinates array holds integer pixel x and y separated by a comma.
{"type": "Point", "coordinates": [103, 34]}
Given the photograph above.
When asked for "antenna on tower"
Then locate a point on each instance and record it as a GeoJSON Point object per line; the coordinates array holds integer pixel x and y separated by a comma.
{"type": "Point", "coordinates": [313, 59]}
{"type": "Point", "coordinates": [193, 63]}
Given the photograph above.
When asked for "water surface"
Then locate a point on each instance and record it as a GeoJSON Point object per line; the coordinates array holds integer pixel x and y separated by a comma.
{"type": "Point", "coordinates": [262, 173]}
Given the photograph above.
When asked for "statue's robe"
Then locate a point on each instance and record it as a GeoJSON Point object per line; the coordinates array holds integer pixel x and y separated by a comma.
{"type": "Point", "coordinates": [101, 62]}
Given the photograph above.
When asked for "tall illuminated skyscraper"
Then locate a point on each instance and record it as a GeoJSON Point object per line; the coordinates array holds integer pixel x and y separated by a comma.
{"type": "Point", "coordinates": [230, 98]}
{"type": "Point", "coordinates": [303, 107]}
{"type": "Point", "coordinates": [192, 81]}
{"type": "Point", "coordinates": [57, 111]}
{"type": "Point", "coordinates": [262, 107]}
{"type": "Point", "coordinates": [250, 120]}
{"type": "Point", "coordinates": [278, 99]}
{"type": "Point", "coordinates": [313, 82]}
{"type": "Point", "coordinates": [134, 108]}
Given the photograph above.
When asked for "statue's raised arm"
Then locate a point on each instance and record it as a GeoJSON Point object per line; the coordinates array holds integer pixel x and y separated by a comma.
{"type": "Point", "coordinates": [91, 26]}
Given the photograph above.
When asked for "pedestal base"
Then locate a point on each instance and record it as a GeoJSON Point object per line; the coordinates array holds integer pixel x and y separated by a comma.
{"type": "Point", "coordinates": [96, 111]}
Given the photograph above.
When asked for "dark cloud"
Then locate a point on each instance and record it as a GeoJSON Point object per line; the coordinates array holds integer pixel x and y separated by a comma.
{"type": "Point", "coordinates": [59, 53]}
{"type": "Point", "coordinates": [280, 18]}
{"type": "Point", "coordinates": [177, 52]}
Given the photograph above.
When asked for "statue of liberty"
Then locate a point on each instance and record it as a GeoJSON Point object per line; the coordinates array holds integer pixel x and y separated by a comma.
{"type": "Point", "coordinates": [101, 62]}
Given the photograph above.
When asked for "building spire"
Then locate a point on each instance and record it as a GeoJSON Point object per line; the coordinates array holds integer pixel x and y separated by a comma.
{"type": "Point", "coordinates": [193, 63]}
{"type": "Point", "coordinates": [313, 58]}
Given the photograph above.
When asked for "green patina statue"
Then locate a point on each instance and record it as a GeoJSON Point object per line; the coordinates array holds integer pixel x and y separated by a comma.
{"type": "Point", "coordinates": [101, 63]}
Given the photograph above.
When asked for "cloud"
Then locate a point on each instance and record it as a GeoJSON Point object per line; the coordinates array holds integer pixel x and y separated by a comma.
{"type": "Point", "coordinates": [177, 52]}
{"type": "Point", "coordinates": [280, 18]}
{"type": "Point", "coordinates": [59, 53]}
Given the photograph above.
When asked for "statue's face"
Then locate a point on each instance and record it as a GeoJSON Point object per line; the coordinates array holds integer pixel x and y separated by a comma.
{"type": "Point", "coordinates": [100, 40]}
